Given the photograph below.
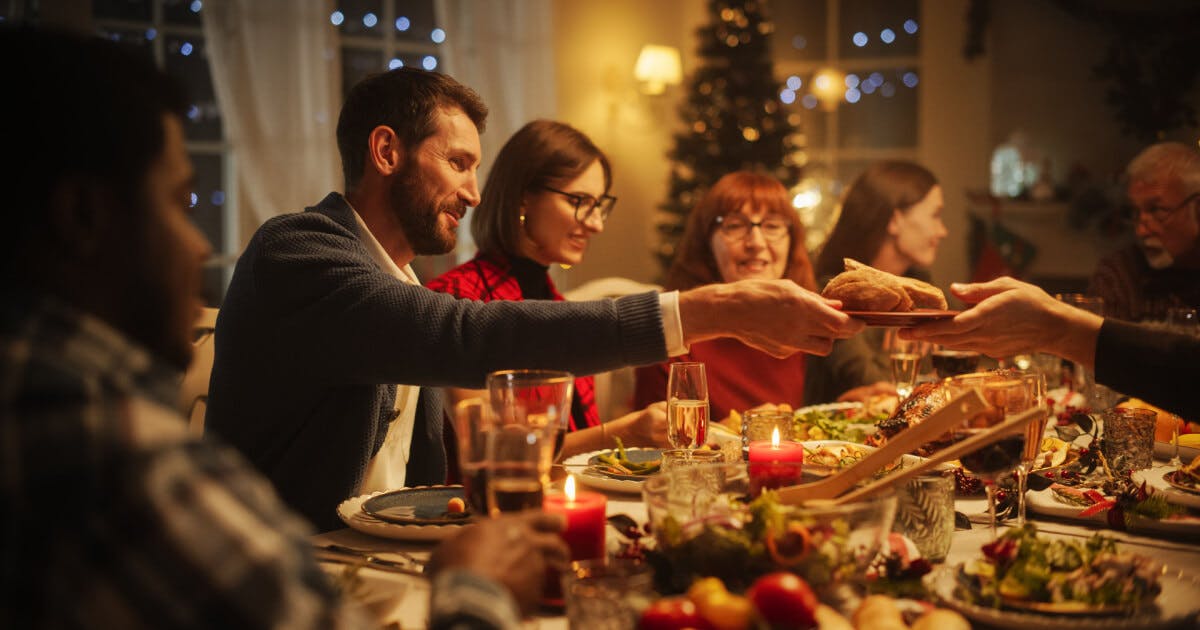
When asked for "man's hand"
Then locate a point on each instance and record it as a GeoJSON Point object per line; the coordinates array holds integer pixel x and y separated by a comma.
{"type": "Point", "coordinates": [1012, 317]}
{"type": "Point", "coordinates": [513, 551]}
{"type": "Point", "coordinates": [775, 316]}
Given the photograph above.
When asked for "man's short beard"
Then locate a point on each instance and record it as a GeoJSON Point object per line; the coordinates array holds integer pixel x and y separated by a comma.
{"type": "Point", "coordinates": [418, 216]}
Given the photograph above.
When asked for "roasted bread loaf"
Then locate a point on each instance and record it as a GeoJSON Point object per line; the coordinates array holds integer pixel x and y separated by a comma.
{"type": "Point", "coordinates": [865, 288]}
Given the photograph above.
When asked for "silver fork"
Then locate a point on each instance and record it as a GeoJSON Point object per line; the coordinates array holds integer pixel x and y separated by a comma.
{"type": "Point", "coordinates": [371, 554]}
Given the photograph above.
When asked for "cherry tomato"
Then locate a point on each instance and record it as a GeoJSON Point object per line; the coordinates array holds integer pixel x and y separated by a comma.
{"type": "Point", "coordinates": [673, 613]}
{"type": "Point", "coordinates": [784, 601]}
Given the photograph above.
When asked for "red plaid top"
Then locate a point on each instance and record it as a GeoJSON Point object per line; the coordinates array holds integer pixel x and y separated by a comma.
{"type": "Point", "coordinates": [488, 277]}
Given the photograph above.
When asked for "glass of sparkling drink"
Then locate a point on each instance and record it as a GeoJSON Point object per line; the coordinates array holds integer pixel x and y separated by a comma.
{"type": "Point", "coordinates": [687, 405]}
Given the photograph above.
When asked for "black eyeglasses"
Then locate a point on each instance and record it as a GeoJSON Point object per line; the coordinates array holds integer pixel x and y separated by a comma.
{"type": "Point", "coordinates": [736, 227]}
{"type": "Point", "coordinates": [1160, 214]}
{"type": "Point", "coordinates": [586, 206]}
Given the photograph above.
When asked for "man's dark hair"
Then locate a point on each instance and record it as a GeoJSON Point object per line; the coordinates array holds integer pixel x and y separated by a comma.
{"type": "Point", "coordinates": [405, 99]}
{"type": "Point", "coordinates": [74, 107]}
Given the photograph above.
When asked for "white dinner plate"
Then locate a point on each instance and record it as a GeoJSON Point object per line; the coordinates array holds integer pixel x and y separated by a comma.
{"type": "Point", "coordinates": [1166, 450]}
{"type": "Point", "coordinates": [1153, 478]}
{"type": "Point", "coordinates": [578, 465]}
{"type": "Point", "coordinates": [1045, 502]}
{"type": "Point", "coordinates": [1176, 606]}
{"type": "Point", "coordinates": [351, 513]}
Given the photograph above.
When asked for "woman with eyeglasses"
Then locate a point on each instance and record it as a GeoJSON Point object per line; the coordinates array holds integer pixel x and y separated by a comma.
{"type": "Point", "coordinates": [891, 219]}
{"type": "Point", "coordinates": [545, 198]}
{"type": "Point", "coordinates": [745, 227]}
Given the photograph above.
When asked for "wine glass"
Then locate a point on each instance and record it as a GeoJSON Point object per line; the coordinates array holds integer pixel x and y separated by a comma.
{"type": "Point", "coordinates": [1183, 320]}
{"type": "Point", "coordinates": [906, 358]}
{"type": "Point", "coordinates": [539, 398]}
{"type": "Point", "coordinates": [947, 362]}
{"type": "Point", "coordinates": [1036, 384]}
{"type": "Point", "coordinates": [1007, 394]}
{"type": "Point", "coordinates": [687, 406]}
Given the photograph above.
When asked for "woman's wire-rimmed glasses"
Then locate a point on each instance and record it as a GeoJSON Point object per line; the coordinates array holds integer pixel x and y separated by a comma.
{"type": "Point", "coordinates": [736, 227]}
{"type": "Point", "coordinates": [586, 206]}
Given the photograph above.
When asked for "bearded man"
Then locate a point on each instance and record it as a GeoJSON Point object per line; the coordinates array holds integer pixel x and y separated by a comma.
{"type": "Point", "coordinates": [329, 353]}
{"type": "Point", "coordinates": [1162, 270]}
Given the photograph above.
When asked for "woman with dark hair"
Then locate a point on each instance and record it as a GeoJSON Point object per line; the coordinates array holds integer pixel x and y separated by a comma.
{"type": "Point", "coordinates": [545, 198]}
{"type": "Point", "coordinates": [891, 219]}
{"type": "Point", "coordinates": [744, 227]}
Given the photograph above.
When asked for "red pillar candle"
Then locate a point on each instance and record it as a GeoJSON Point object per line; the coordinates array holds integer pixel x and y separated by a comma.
{"type": "Point", "coordinates": [775, 464]}
{"type": "Point", "coordinates": [585, 516]}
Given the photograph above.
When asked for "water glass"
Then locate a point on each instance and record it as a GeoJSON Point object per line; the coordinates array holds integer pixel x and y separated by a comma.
{"type": "Point", "coordinates": [759, 424]}
{"type": "Point", "coordinates": [537, 398]}
{"type": "Point", "coordinates": [607, 594]}
{"type": "Point", "coordinates": [925, 514]}
{"type": "Point", "coordinates": [1128, 439]}
{"type": "Point", "coordinates": [687, 405]}
{"type": "Point", "coordinates": [472, 423]}
{"type": "Point", "coordinates": [680, 458]}
{"type": "Point", "coordinates": [1083, 380]}
{"type": "Point", "coordinates": [518, 457]}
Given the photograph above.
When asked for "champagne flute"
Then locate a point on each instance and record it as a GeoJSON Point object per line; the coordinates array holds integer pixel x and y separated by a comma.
{"type": "Point", "coordinates": [906, 363]}
{"type": "Point", "coordinates": [1006, 394]}
{"type": "Point", "coordinates": [1034, 431]}
{"type": "Point", "coordinates": [687, 406]}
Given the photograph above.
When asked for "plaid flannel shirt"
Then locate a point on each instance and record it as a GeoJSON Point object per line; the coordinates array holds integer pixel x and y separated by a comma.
{"type": "Point", "coordinates": [114, 516]}
{"type": "Point", "coordinates": [488, 277]}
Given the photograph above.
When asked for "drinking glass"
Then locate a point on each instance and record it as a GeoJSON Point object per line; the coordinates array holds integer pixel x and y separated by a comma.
{"type": "Point", "coordinates": [906, 364]}
{"type": "Point", "coordinates": [1007, 394]}
{"type": "Point", "coordinates": [681, 458]}
{"type": "Point", "coordinates": [687, 405]}
{"type": "Point", "coordinates": [925, 513]}
{"type": "Point", "coordinates": [947, 362]}
{"type": "Point", "coordinates": [472, 423]}
{"type": "Point", "coordinates": [1034, 431]}
{"type": "Point", "coordinates": [607, 594]}
{"type": "Point", "coordinates": [1083, 380]}
{"type": "Point", "coordinates": [517, 467]}
{"type": "Point", "coordinates": [1183, 320]}
{"type": "Point", "coordinates": [540, 398]}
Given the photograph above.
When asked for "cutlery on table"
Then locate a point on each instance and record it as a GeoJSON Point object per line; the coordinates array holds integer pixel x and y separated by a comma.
{"type": "Point", "coordinates": [340, 553]}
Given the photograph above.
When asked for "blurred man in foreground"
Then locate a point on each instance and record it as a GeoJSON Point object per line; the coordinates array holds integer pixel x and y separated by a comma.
{"type": "Point", "coordinates": [113, 515]}
{"type": "Point", "coordinates": [1162, 270]}
{"type": "Point", "coordinates": [1011, 317]}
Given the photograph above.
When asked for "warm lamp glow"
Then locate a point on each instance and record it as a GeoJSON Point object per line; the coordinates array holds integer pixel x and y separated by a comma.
{"type": "Point", "coordinates": [829, 85]}
{"type": "Point", "coordinates": [657, 67]}
{"type": "Point", "coordinates": [569, 488]}
{"type": "Point", "coordinates": [775, 437]}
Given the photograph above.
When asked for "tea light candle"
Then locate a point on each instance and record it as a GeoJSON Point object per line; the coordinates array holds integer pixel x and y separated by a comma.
{"type": "Point", "coordinates": [775, 464]}
{"type": "Point", "coordinates": [585, 516]}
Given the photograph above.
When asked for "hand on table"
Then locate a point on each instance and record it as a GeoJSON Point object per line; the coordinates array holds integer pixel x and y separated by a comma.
{"type": "Point", "coordinates": [512, 550]}
{"type": "Point", "coordinates": [1012, 317]}
{"type": "Point", "coordinates": [647, 427]}
{"type": "Point", "coordinates": [775, 316]}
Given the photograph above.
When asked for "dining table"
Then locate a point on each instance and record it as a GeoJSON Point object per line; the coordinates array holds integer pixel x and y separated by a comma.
{"type": "Point", "coordinates": [400, 600]}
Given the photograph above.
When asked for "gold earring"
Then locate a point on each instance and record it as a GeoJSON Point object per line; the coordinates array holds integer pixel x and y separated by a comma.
{"type": "Point", "coordinates": [564, 266]}
{"type": "Point", "coordinates": [522, 219]}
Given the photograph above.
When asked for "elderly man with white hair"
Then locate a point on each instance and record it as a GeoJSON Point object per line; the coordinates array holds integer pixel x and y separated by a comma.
{"type": "Point", "coordinates": [1162, 270]}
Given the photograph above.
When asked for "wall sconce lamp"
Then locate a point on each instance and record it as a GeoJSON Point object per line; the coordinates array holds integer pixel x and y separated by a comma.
{"type": "Point", "coordinates": [657, 67]}
{"type": "Point", "coordinates": [828, 85]}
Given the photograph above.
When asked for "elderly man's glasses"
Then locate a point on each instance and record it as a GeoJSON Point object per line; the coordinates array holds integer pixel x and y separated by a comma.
{"type": "Point", "coordinates": [1160, 214]}
{"type": "Point", "coordinates": [736, 227]}
{"type": "Point", "coordinates": [587, 206]}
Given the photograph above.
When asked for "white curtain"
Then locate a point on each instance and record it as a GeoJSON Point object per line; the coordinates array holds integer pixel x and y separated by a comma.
{"type": "Point", "coordinates": [504, 50]}
{"type": "Point", "coordinates": [277, 75]}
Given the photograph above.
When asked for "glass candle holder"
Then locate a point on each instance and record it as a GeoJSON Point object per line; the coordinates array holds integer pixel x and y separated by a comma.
{"type": "Point", "coordinates": [1128, 439]}
{"type": "Point", "coordinates": [758, 424]}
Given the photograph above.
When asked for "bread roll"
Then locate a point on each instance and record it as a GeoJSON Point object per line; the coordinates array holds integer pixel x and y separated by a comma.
{"type": "Point", "coordinates": [923, 294]}
{"type": "Point", "coordinates": [879, 612]}
{"type": "Point", "coordinates": [862, 290]}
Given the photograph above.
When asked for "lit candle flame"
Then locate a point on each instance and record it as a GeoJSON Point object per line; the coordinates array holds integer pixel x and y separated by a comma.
{"type": "Point", "coordinates": [775, 437]}
{"type": "Point", "coordinates": [569, 488]}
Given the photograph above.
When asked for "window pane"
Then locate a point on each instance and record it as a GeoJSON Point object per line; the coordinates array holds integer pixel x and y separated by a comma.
{"type": "Point", "coordinates": [187, 61]}
{"type": "Point", "coordinates": [122, 10]}
{"type": "Point", "coordinates": [878, 28]}
{"type": "Point", "coordinates": [208, 215]}
{"type": "Point", "coordinates": [358, 63]}
{"type": "Point", "coordinates": [183, 12]}
{"type": "Point", "coordinates": [359, 17]}
{"type": "Point", "coordinates": [140, 39]}
{"type": "Point", "coordinates": [415, 22]}
{"type": "Point", "coordinates": [885, 114]}
{"type": "Point", "coordinates": [799, 30]}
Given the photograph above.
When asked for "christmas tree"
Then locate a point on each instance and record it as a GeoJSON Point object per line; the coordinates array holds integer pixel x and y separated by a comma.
{"type": "Point", "coordinates": [732, 118]}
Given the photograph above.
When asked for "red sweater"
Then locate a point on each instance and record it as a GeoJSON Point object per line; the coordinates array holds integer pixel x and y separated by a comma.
{"type": "Point", "coordinates": [494, 277]}
{"type": "Point", "coordinates": [739, 377]}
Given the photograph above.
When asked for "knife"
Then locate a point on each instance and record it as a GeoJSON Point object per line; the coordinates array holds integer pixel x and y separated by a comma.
{"type": "Point", "coordinates": [344, 556]}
